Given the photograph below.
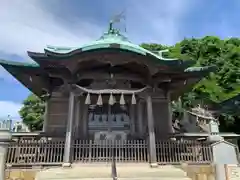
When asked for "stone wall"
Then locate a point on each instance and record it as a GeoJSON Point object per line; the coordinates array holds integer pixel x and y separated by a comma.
{"type": "Point", "coordinates": [232, 172]}
{"type": "Point", "coordinates": [195, 172]}
{"type": "Point", "coordinates": [200, 172]}
{"type": "Point", "coordinates": [23, 174]}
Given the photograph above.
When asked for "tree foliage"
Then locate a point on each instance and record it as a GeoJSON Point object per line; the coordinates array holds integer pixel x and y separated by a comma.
{"type": "Point", "coordinates": [32, 112]}
{"type": "Point", "coordinates": [218, 86]}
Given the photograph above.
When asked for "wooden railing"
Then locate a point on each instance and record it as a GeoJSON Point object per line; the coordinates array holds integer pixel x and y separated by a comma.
{"type": "Point", "coordinates": [175, 152]}
{"type": "Point", "coordinates": [51, 152]}
{"type": "Point", "coordinates": [35, 152]}
{"type": "Point", "coordinates": [122, 151]}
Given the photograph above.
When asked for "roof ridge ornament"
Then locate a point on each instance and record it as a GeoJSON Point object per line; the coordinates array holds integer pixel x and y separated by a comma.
{"type": "Point", "coordinates": [116, 19]}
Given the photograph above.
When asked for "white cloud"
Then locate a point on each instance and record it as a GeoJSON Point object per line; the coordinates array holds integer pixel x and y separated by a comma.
{"type": "Point", "coordinates": [26, 25]}
{"type": "Point", "coordinates": [10, 108]}
{"type": "Point", "coordinates": [161, 18]}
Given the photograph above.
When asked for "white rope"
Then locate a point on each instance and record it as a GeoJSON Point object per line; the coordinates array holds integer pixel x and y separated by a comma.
{"type": "Point", "coordinates": [110, 91]}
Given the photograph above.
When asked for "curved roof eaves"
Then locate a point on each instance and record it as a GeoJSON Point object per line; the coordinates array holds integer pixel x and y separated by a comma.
{"type": "Point", "coordinates": [20, 64]}
{"type": "Point", "coordinates": [111, 42]}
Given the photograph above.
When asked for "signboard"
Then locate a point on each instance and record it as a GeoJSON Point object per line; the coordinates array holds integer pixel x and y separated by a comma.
{"type": "Point", "coordinates": [232, 172]}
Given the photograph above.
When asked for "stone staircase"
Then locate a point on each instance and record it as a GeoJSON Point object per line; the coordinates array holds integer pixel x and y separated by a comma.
{"type": "Point", "coordinates": [125, 171]}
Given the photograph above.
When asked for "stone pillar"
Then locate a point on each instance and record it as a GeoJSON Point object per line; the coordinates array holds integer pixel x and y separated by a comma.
{"type": "Point", "coordinates": [152, 143]}
{"type": "Point", "coordinates": [140, 117]}
{"type": "Point", "coordinates": [5, 138]}
{"type": "Point", "coordinates": [218, 161]}
{"type": "Point", "coordinates": [213, 126]}
{"type": "Point", "coordinates": [69, 132]}
{"type": "Point", "coordinates": [224, 153]}
{"type": "Point", "coordinates": [46, 116]}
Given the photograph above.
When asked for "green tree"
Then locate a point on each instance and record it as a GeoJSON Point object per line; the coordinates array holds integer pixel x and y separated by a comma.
{"type": "Point", "coordinates": [32, 112]}
{"type": "Point", "coordinates": [218, 86]}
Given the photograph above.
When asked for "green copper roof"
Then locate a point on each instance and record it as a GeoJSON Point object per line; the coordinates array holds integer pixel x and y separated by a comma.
{"type": "Point", "coordinates": [200, 69]}
{"type": "Point", "coordinates": [111, 39]}
{"type": "Point", "coordinates": [15, 63]}
{"type": "Point", "coordinates": [104, 42]}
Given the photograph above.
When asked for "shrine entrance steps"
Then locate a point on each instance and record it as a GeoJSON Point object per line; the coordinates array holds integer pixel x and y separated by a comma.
{"type": "Point", "coordinates": [124, 171]}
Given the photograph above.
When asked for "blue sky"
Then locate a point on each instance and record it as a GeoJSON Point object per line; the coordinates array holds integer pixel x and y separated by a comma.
{"type": "Point", "coordinates": [33, 24]}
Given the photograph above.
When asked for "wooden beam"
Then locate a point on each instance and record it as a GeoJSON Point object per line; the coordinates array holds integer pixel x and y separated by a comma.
{"type": "Point", "coordinates": [106, 75]}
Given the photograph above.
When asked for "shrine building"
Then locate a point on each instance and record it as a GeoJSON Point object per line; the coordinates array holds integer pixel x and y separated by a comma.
{"type": "Point", "coordinates": [109, 89]}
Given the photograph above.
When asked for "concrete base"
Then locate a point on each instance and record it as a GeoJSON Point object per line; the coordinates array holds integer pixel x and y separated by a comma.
{"type": "Point", "coordinates": [66, 165]}
{"type": "Point", "coordinates": [215, 138]}
{"type": "Point", "coordinates": [153, 165]}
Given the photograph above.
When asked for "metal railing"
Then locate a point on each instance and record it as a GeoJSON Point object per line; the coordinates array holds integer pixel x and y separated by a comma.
{"type": "Point", "coordinates": [51, 152]}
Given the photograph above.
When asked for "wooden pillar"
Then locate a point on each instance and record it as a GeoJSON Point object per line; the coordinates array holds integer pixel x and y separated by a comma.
{"type": "Point", "coordinates": [152, 143]}
{"type": "Point", "coordinates": [85, 120]}
{"type": "Point", "coordinates": [77, 118]}
{"type": "Point", "coordinates": [169, 101]}
{"type": "Point", "coordinates": [132, 119]}
{"type": "Point", "coordinates": [46, 116]}
{"type": "Point", "coordinates": [69, 132]}
{"type": "Point", "coordinates": [140, 117]}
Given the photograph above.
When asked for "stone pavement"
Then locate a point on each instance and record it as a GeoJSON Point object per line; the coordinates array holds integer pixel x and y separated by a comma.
{"type": "Point", "coordinates": [125, 171]}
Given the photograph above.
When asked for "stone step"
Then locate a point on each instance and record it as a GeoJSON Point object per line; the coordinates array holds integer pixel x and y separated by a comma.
{"type": "Point", "coordinates": [103, 171]}
{"type": "Point", "coordinates": [145, 178]}
{"type": "Point", "coordinates": [153, 178]}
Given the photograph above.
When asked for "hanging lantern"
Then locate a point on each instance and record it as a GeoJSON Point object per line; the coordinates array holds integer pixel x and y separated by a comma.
{"type": "Point", "coordinates": [134, 99]}
{"type": "Point", "coordinates": [99, 101]}
{"type": "Point", "coordinates": [122, 100]}
{"type": "Point", "coordinates": [88, 99]}
{"type": "Point", "coordinates": [111, 100]}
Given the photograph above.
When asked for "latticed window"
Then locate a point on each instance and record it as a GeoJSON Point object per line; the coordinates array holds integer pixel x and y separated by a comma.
{"type": "Point", "coordinates": [104, 117]}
